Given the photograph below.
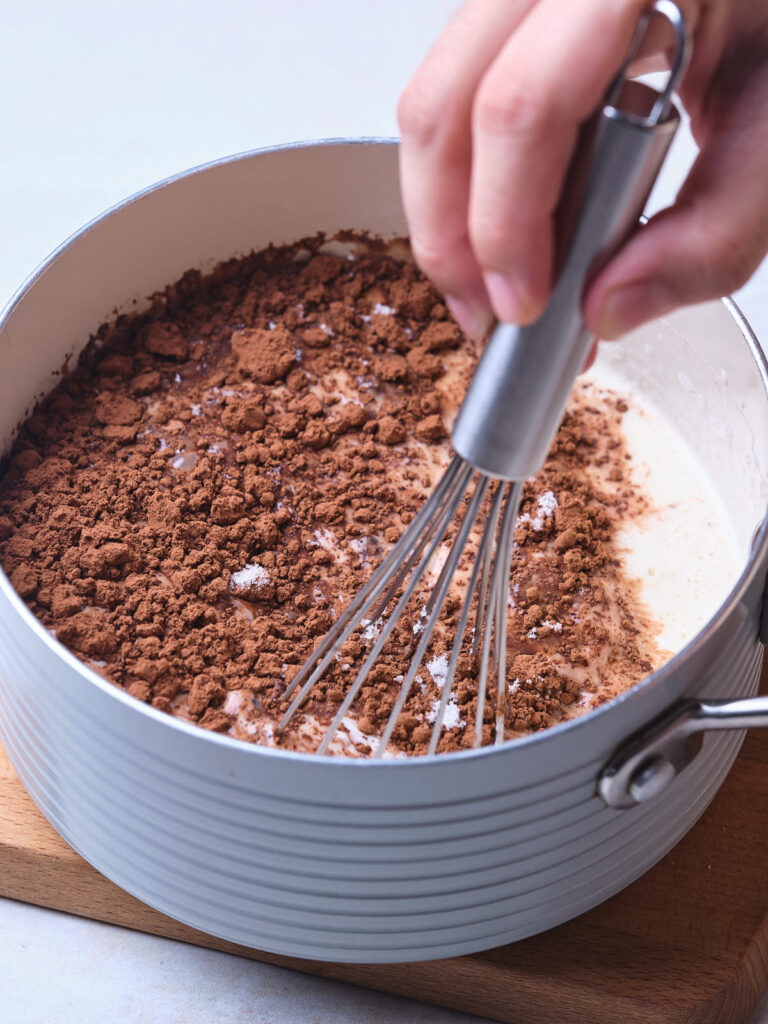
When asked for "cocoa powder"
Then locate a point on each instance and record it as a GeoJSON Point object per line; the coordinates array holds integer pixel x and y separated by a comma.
{"type": "Point", "coordinates": [195, 503]}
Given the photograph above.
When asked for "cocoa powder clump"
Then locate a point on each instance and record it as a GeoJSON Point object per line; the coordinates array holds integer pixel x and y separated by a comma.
{"type": "Point", "coordinates": [166, 339]}
{"type": "Point", "coordinates": [266, 356]}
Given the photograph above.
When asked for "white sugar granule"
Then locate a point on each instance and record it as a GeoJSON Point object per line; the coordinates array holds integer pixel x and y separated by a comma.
{"type": "Point", "coordinates": [438, 669]}
{"type": "Point", "coordinates": [371, 630]}
{"type": "Point", "coordinates": [556, 627]}
{"type": "Point", "coordinates": [451, 719]}
{"type": "Point", "coordinates": [546, 505]}
{"type": "Point", "coordinates": [233, 702]}
{"type": "Point", "coordinates": [360, 546]}
{"type": "Point", "coordinates": [421, 622]}
{"type": "Point", "coordinates": [252, 575]}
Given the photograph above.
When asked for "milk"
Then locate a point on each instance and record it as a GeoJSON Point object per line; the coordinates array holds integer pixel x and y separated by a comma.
{"type": "Point", "coordinates": [685, 553]}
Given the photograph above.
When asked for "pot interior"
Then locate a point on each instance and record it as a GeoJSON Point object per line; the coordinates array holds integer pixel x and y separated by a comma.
{"type": "Point", "coordinates": [698, 369]}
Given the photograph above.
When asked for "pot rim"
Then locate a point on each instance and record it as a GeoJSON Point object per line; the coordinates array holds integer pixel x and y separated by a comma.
{"type": "Point", "coordinates": [758, 553]}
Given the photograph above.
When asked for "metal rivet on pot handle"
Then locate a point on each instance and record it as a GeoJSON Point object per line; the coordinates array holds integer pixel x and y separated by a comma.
{"type": "Point", "coordinates": [645, 765]}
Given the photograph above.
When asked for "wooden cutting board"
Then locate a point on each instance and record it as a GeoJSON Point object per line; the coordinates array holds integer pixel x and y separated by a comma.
{"type": "Point", "coordinates": [686, 943]}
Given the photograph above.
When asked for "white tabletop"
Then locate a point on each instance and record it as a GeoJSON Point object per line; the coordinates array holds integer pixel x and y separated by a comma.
{"type": "Point", "coordinates": [99, 100]}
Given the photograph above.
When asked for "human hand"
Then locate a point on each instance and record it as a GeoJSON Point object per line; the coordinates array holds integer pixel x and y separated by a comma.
{"type": "Point", "coordinates": [489, 123]}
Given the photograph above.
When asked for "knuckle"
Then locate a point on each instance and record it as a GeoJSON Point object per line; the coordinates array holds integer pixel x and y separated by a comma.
{"type": "Point", "coordinates": [442, 257]}
{"type": "Point", "coordinates": [504, 108]}
{"type": "Point", "coordinates": [433, 254]}
{"type": "Point", "coordinates": [491, 240]}
{"type": "Point", "coordinates": [425, 109]}
{"type": "Point", "coordinates": [729, 259]}
{"type": "Point", "coordinates": [427, 254]}
{"type": "Point", "coordinates": [414, 117]}
{"type": "Point", "coordinates": [733, 276]}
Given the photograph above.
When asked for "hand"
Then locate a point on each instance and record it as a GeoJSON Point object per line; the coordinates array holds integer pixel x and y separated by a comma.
{"type": "Point", "coordinates": [489, 123]}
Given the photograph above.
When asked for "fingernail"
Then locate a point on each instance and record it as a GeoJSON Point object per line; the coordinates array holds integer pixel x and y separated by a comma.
{"type": "Point", "coordinates": [592, 356]}
{"type": "Point", "coordinates": [511, 299]}
{"type": "Point", "coordinates": [474, 319]}
{"type": "Point", "coordinates": [633, 304]}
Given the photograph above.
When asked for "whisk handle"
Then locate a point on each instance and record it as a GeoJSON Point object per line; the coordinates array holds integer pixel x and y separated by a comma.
{"type": "Point", "coordinates": [516, 399]}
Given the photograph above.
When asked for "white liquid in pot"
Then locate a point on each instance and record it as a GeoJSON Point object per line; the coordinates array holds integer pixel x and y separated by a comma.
{"type": "Point", "coordinates": [686, 553]}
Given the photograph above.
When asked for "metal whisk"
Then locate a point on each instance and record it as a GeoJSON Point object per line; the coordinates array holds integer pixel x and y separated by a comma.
{"type": "Point", "coordinates": [510, 415]}
{"type": "Point", "coordinates": [489, 578]}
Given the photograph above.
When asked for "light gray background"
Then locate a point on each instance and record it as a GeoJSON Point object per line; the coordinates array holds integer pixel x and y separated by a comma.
{"type": "Point", "coordinates": [97, 100]}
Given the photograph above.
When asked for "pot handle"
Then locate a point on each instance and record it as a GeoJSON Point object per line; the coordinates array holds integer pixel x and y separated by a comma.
{"type": "Point", "coordinates": [645, 765]}
{"type": "Point", "coordinates": [647, 762]}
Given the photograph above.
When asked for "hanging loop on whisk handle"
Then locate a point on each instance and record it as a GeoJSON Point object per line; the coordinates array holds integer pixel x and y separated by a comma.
{"type": "Point", "coordinates": [517, 396]}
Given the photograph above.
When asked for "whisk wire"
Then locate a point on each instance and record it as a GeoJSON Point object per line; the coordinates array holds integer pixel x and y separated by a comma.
{"type": "Point", "coordinates": [481, 562]}
{"type": "Point", "coordinates": [485, 604]}
{"type": "Point", "coordinates": [412, 555]}
{"type": "Point", "coordinates": [440, 590]}
{"type": "Point", "coordinates": [417, 548]}
{"type": "Point", "coordinates": [449, 511]}
{"type": "Point", "coordinates": [485, 658]}
{"type": "Point", "coordinates": [503, 558]}
{"type": "Point", "coordinates": [487, 563]}
{"type": "Point", "coordinates": [348, 620]}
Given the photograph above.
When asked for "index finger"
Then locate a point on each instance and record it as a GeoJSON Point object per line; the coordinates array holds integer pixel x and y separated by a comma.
{"type": "Point", "coordinates": [436, 149]}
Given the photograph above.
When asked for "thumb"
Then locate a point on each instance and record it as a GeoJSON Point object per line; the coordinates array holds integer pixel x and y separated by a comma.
{"type": "Point", "coordinates": [706, 245]}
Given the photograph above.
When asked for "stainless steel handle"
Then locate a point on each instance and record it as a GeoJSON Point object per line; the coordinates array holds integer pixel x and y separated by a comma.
{"type": "Point", "coordinates": [515, 401]}
{"type": "Point", "coordinates": [648, 761]}
{"type": "Point", "coordinates": [645, 765]}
